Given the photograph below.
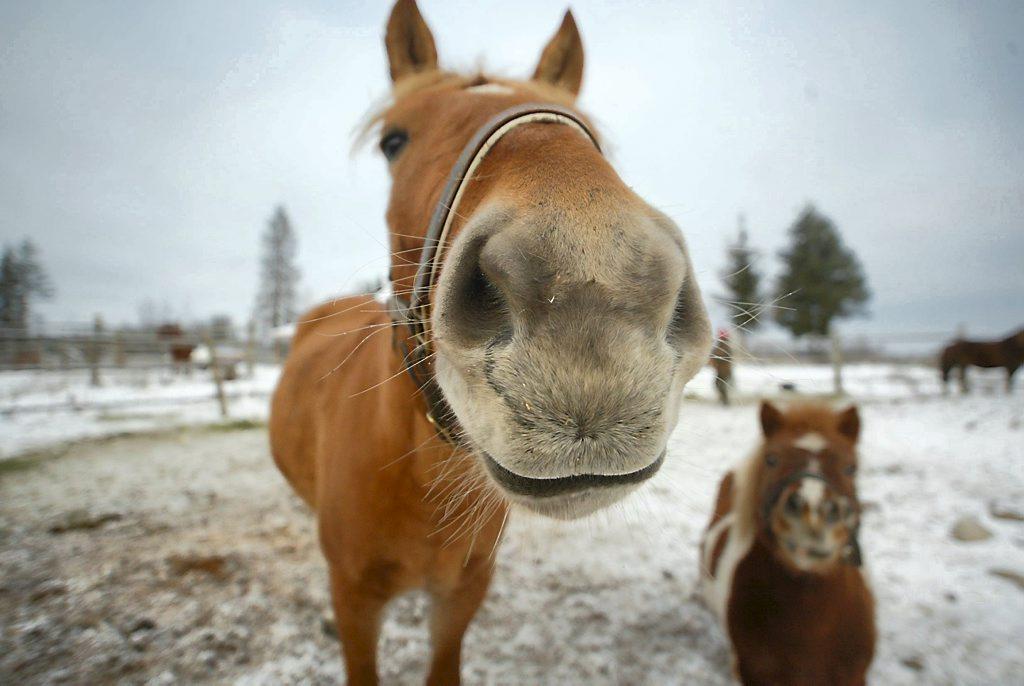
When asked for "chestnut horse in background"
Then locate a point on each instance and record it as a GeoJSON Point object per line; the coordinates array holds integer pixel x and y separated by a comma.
{"type": "Point", "coordinates": [544, 323]}
{"type": "Point", "coordinates": [780, 560]}
{"type": "Point", "coordinates": [179, 348]}
{"type": "Point", "coordinates": [1007, 353]}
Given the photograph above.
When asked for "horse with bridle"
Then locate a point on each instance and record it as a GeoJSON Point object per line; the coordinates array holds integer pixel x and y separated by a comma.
{"type": "Point", "coordinates": [544, 323]}
{"type": "Point", "coordinates": [1007, 353]}
{"type": "Point", "coordinates": [781, 556]}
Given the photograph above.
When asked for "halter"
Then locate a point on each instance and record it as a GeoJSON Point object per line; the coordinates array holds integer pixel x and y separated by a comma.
{"type": "Point", "coordinates": [415, 313]}
{"type": "Point", "coordinates": [851, 553]}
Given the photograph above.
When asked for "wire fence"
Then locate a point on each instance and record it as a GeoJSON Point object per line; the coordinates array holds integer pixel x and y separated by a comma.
{"type": "Point", "coordinates": [92, 346]}
{"type": "Point", "coordinates": [85, 362]}
{"type": "Point", "coordinates": [213, 365]}
{"type": "Point", "coordinates": [909, 347]}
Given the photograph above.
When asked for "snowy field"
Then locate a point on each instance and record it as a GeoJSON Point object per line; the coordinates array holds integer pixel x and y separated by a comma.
{"type": "Point", "coordinates": [183, 558]}
{"type": "Point", "coordinates": [40, 409]}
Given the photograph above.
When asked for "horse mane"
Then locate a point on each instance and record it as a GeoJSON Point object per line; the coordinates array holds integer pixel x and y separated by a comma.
{"type": "Point", "coordinates": [747, 472]}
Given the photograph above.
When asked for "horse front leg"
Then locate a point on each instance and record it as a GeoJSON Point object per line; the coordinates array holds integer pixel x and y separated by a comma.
{"type": "Point", "coordinates": [453, 610]}
{"type": "Point", "coordinates": [722, 386]}
{"type": "Point", "coordinates": [962, 374]}
{"type": "Point", "coordinates": [357, 612]}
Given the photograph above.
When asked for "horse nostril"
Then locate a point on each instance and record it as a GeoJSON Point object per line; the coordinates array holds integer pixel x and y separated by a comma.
{"type": "Point", "coordinates": [481, 291]}
{"type": "Point", "coordinates": [476, 308]}
{"type": "Point", "coordinates": [794, 504]}
{"type": "Point", "coordinates": [830, 511]}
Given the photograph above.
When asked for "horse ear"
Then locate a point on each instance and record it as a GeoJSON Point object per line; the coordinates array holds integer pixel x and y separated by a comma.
{"type": "Point", "coordinates": [848, 422]}
{"type": "Point", "coordinates": [409, 42]}
{"type": "Point", "coordinates": [561, 63]}
{"type": "Point", "coordinates": [771, 419]}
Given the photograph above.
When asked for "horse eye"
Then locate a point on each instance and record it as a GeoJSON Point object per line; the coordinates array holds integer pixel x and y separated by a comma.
{"type": "Point", "coordinates": [393, 143]}
{"type": "Point", "coordinates": [771, 460]}
{"type": "Point", "coordinates": [850, 470]}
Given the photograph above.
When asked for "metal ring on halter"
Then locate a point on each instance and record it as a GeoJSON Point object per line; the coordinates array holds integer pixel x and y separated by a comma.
{"type": "Point", "coordinates": [416, 312]}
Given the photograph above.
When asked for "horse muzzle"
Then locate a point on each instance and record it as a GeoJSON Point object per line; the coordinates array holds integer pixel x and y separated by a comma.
{"type": "Point", "coordinates": [567, 497]}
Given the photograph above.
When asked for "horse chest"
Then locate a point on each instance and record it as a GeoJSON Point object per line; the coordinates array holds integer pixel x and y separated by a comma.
{"type": "Point", "coordinates": [417, 519]}
{"type": "Point", "coordinates": [792, 630]}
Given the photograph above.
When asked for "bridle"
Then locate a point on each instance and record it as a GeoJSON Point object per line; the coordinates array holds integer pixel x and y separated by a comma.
{"type": "Point", "coordinates": [414, 313]}
{"type": "Point", "coordinates": [851, 553]}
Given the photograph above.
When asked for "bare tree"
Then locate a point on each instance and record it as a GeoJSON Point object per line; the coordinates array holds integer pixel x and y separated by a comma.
{"type": "Point", "coordinates": [153, 314]}
{"type": "Point", "coordinates": [221, 328]}
{"type": "Point", "coordinates": [279, 276]}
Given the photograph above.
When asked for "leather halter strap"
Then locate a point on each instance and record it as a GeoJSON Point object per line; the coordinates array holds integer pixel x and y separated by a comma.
{"type": "Point", "coordinates": [415, 312]}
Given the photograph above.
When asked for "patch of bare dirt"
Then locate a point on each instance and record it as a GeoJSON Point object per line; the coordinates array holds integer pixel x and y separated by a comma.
{"type": "Point", "coordinates": [149, 559]}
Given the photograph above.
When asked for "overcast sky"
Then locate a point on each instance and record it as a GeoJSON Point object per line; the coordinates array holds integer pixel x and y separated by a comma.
{"type": "Point", "coordinates": [143, 145]}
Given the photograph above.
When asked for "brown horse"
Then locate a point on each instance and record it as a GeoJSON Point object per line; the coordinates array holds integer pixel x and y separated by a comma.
{"type": "Point", "coordinates": [1007, 353]}
{"type": "Point", "coordinates": [780, 559]}
{"type": "Point", "coordinates": [179, 347]}
{"type": "Point", "coordinates": [548, 320]}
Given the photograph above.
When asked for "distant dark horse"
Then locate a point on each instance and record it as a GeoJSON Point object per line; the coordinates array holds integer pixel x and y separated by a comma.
{"type": "Point", "coordinates": [179, 347]}
{"type": "Point", "coordinates": [960, 354]}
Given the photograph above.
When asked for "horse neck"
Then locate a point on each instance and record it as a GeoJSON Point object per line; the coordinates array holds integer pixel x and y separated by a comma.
{"type": "Point", "coordinates": [436, 466]}
{"type": "Point", "coordinates": [452, 487]}
{"type": "Point", "coordinates": [834, 579]}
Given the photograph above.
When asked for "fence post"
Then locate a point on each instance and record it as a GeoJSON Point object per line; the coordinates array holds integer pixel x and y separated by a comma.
{"type": "Point", "coordinates": [218, 378]}
{"type": "Point", "coordinates": [95, 351]}
{"type": "Point", "coordinates": [837, 364]}
{"type": "Point", "coordinates": [120, 355]}
{"type": "Point", "coordinates": [250, 349]}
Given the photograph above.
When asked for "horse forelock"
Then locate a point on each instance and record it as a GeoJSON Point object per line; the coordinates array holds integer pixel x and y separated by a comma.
{"type": "Point", "coordinates": [369, 124]}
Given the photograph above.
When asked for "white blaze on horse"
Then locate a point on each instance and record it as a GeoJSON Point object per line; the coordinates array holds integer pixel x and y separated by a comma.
{"type": "Point", "coordinates": [546, 320]}
{"type": "Point", "coordinates": [780, 560]}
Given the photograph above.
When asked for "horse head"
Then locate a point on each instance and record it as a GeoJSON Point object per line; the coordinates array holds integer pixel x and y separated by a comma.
{"type": "Point", "coordinates": [808, 511]}
{"type": "Point", "coordinates": [553, 312]}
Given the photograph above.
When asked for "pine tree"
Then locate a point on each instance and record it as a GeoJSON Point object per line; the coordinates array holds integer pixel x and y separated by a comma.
{"type": "Point", "coordinates": [22, 280]}
{"type": "Point", "coordinates": [9, 288]}
{"type": "Point", "coordinates": [279, 276]}
{"type": "Point", "coordinates": [821, 278]}
{"type": "Point", "coordinates": [742, 281]}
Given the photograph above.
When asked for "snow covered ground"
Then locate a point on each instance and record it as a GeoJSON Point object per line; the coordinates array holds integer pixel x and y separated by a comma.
{"type": "Point", "coordinates": [39, 409]}
{"type": "Point", "coordinates": [188, 560]}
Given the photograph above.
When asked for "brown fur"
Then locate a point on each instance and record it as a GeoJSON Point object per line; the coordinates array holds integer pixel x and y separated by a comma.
{"type": "Point", "coordinates": [788, 625]}
{"type": "Point", "coordinates": [1007, 353]}
{"type": "Point", "coordinates": [365, 465]}
{"type": "Point", "coordinates": [181, 352]}
{"type": "Point", "coordinates": [723, 505]}
{"type": "Point", "coordinates": [808, 629]}
{"type": "Point", "coordinates": [398, 508]}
